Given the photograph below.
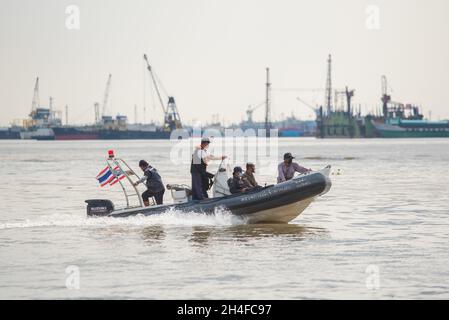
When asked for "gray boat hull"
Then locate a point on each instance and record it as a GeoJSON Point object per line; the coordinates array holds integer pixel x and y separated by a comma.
{"type": "Point", "coordinates": [279, 203]}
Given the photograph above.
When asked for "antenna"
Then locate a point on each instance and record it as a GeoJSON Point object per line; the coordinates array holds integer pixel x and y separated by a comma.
{"type": "Point", "coordinates": [267, 103]}
{"type": "Point", "coordinates": [50, 107]}
{"type": "Point", "coordinates": [97, 112]}
{"type": "Point", "coordinates": [66, 115]}
{"type": "Point", "coordinates": [106, 95]}
{"type": "Point", "coordinates": [35, 103]}
{"type": "Point", "coordinates": [349, 95]}
{"type": "Point", "coordinates": [328, 100]}
{"type": "Point", "coordinates": [386, 98]}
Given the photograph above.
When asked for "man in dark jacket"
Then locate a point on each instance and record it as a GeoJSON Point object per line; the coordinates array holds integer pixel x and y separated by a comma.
{"type": "Point", "coordinates": [155, 187]}
{"type": "Point", "coordinates": [236, 184]}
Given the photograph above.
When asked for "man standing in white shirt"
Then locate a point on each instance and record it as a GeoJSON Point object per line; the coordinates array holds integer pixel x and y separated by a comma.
{"type": "Point", "coordinates": [198, 169]}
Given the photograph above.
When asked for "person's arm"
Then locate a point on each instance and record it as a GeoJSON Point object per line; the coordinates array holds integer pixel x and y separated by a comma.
{"type": "Point", "coordinates": [300, 169]}
{"type": "Point", "coordinates": [141, 180]}
{"type": "Point", "coordinates": [281, 177]}
{"type": "Point", "coordinates": [212, 157]}
{"type": "Point", "coordinates": [207, 156]}
{"type": "Point", "coordinates": [231, 185]}
{"type": "Point", "coordinates": [246, 182]}
{"type": "Point", "coordinates": [202, 154]}
{"type": "Point", "coordinates": [256, 184]}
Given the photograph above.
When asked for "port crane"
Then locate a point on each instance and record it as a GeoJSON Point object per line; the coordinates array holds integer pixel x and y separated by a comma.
{"type": "Point", "coordinates": [251, 109]}
{"type": "Point", "coordinates": [315, 109]}
{"type": "Point", "coordinates": [172, 120]}
{"type": "Point", "coordinates": [394, 109]}
{"type": "Point", "coordinates": [106, 95]}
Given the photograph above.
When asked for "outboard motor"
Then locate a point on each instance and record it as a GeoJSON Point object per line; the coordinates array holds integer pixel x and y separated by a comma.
{"type": "Point", "coordinates": [180, 193]}
{"type": "Point", "coordinates": [99, 208]}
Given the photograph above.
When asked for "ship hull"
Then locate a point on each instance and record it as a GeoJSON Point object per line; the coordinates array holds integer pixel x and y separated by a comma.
{"type": "Point", "coordinates": [413, 134]}
{"type": "Point", "coordinates": [133, 135]}
{"type": "Point", "coordinates": [9, 135]}
{"type": "Point", "coordinates": [73, 133]}
{"type": "Point", "coordinates": [396, 131]}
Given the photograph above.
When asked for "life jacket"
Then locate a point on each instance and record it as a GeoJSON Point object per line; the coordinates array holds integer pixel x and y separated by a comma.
{"type": "Point", "coordinates": [198, 165]}
{"type": "Point", "coordinates": [154, 181]}
{"type": "Point", "coordinates": [235, 185]}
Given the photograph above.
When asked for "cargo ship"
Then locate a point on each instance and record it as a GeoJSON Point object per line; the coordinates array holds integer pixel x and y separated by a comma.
{"type": "Point", "coordinates": [393, 120]}
{"type": "Point", "coordinates": [413, 129]}
{"type": "Point", "coordinates": [406, 120]}
{"type": "Point", "coordinates": [111, 129]}
{"type": "Point", "coordinates": [39, 123]}
{"type": "Point", "coordinates": [11, 133]}
{"type": "Point", "coordinates": [118, 128]}
{"type": "Point", "coordinates": [402, 128]}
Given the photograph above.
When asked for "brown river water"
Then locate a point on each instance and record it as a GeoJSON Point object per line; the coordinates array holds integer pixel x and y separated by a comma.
{"type": "Point", "coordinates": [382, 232]}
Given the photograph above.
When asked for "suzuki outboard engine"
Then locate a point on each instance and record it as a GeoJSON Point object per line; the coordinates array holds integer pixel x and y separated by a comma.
{"type": "Point", "coordinates": [99, 208]}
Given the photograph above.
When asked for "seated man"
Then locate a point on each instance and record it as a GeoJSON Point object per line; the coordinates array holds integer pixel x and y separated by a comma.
{"type": "Point", "coordinates": [249, 181]}
{"type": "Point", "coordinates": [235, 183]}
{"type": "Point", "coordinates": [287, 169]}
{"type": "Point", "coordinates": [155, 187]}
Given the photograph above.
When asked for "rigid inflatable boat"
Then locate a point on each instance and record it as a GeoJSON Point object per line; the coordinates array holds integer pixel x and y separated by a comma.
{"type": "Point", "coordinates": [279, 203]}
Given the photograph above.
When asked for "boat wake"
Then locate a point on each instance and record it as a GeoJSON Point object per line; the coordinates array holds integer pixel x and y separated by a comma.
{"type": "Point", "coordinates": [172, 218]}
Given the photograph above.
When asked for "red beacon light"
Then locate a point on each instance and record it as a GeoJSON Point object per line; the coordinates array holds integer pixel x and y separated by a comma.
{"type": "Point", "coordinates": [111, 154]}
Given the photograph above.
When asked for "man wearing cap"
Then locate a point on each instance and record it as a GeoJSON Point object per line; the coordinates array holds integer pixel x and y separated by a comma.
{"type": "Point", "coordinates": [236, 184]}
{"type": "Point", "coordinates": [155, 187]}
{"type": "Point", "coordinates": [248, 178]}
{"type": "Point", "coordinates": [198, 169]}
{"type": "Point", "coordinates": [287, 169]}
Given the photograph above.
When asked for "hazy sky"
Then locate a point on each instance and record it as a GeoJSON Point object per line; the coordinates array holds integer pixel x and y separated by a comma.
{"type": "Point", "coordinates": [211, 55]}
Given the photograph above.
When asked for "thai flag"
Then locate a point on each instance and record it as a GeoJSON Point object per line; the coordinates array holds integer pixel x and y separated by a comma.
{"type": "Point", "coordinates": [118, 175]}
{"type": "Point", "coordinates": [106, 176]}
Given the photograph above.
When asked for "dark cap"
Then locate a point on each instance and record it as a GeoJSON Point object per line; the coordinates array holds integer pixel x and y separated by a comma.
{"type": "Point", "coordinates": [143, 163]}
{"type": "Point", "coordinates": [288, 156]}
{"type": "Point", "coordinates": [205, 140]}
{"type": "Point", "coordinates": [238, 169]}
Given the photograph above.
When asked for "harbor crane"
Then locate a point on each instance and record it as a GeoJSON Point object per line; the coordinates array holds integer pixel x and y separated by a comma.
{"type": "Point", "coordinates": [172, 120]}
{"type": "Point", "coordinates": [393, 108]}
{"type": "Point", "coordinates": [386, 98]}
{"type": "Point", "coordinates": [251, 109]}
{"type": "Point", "coordinates": [106, 95]}
{"type": "Point", "coordinates": [315, 109]}
{"type": "Point", "coordinates": [35, 104]}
